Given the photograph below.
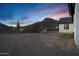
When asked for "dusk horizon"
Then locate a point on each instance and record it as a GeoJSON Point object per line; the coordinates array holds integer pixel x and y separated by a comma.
{"type": "Point", "coordinates": [30, 13]}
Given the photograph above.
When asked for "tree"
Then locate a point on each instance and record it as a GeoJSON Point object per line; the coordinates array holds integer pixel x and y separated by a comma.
{"type": "Point", "coordinates": [18, 26]}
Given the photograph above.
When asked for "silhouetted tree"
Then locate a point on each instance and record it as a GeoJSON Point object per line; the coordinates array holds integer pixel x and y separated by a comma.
{"type": "Point", "coordinates": [18, 26]}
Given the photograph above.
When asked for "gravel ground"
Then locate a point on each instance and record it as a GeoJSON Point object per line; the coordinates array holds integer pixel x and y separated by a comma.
{"type": "Point", "coordinates": [36, 44]}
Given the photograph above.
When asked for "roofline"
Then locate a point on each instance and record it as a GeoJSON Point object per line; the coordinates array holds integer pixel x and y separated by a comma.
{"type": "Point", "coordinates": [66, 23]}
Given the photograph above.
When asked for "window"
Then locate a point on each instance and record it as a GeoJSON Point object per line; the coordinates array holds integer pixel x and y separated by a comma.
{"type": "Point", "coordinates": [66, 26]}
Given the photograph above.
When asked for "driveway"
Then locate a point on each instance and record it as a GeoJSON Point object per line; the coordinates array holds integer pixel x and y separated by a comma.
{"type": "Point", "coordinates": [35, 44]}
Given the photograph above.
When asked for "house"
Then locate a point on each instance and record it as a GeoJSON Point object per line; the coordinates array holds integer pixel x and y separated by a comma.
{"type": "Point", "coordinates": [76, 23]}
{"type": "Point", "coordinates": [66, 25]}
{"type": "Point", "coordinates": [74, 12]}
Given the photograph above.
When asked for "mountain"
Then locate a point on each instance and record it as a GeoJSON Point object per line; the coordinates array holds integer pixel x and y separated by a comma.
{"type": "Point", "coordinates": [5, 28]}
{"type": "Point", "coordinates": [48, 24]}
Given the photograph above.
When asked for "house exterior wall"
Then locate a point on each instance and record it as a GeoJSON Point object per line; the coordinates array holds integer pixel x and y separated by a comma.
{"type": "Point", "coordinates": [70, 30]}
{"type": "Point", "coordinates": [76, 23]}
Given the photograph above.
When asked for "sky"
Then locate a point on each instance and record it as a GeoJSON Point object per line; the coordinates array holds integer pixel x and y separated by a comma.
{"type": "Point", "coordinates": [29, 13]}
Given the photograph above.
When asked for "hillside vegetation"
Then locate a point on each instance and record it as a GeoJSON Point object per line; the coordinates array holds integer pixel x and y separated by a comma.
{"type": "Point", "coordinates": [48, 24]}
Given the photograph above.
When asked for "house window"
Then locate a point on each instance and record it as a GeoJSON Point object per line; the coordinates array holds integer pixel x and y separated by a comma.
{"type": "Point", "coordinates": [66, 26]}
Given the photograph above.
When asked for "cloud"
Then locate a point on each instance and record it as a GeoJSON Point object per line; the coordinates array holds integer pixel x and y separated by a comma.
{"type": "Point", "coordinates": [13, 22]}
{"type": "Point", "coordinates": [24, 18]}
{"type": "Point", "coordinates": [21, 22]}
{"type": "Point", "coordinates": [60, 15]}
{"type": "Point", "coordinates": [43, 8]}
{"type": "Point", "coordinates": [6, 16]}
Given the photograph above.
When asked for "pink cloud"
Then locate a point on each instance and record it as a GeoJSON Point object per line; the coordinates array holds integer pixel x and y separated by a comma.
{"type": "Point", "coordinates": [59, 13]}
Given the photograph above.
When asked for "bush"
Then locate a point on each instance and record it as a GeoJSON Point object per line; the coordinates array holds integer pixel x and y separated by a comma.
{"type": "Point", "coordinates": [66, 35]}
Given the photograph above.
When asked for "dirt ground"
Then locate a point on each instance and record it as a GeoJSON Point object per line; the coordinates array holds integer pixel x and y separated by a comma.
{"type": "Point", "coordinates": [36, 44]}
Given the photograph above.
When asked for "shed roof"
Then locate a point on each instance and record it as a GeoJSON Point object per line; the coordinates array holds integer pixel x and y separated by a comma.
{"type": "Point", "coordinates": [65, 20]}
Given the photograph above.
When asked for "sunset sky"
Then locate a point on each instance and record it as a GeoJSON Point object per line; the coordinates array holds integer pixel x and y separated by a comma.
{"type": "Point", "coordinates": [30, 13]}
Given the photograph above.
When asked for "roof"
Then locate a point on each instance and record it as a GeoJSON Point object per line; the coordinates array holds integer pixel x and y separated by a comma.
{"type": "Point", "coordinates": [65, 20]}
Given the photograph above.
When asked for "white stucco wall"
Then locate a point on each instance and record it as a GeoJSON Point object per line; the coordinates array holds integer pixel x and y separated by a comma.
{"type": "Point", "coordinates": [62, 30]}
{"type": "Point", "coordinates": [76, 23]}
